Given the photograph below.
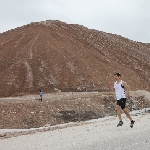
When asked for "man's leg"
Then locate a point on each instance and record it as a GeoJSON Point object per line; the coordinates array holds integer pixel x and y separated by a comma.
{"type": "Point", "coordinates": [129, 116]}
{"type": "Point", "coordinates": [117, 109]}
{"type": "Point", "coordinates": [119, 115]}
{"type": "Point", "coordinates": [127, 113]}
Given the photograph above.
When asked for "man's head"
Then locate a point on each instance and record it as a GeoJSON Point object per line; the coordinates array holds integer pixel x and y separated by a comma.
{"type": "Point", "coordinates": [117, 74]}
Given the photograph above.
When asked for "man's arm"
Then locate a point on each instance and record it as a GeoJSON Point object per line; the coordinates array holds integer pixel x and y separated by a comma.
{"type": "Point", "coordinates": [111, 86]}
{"type": "Point", "coordinates": [127, 88]}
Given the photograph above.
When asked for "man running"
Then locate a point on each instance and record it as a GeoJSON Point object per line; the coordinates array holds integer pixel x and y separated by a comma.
{"type": "Point", "coordinates": [121, 90]}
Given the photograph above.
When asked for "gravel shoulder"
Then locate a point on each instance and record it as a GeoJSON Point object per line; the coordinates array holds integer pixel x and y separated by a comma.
{"type": "Point", "coordinates": [94, 134]}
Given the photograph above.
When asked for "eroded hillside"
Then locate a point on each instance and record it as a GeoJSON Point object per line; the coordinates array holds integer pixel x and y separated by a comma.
{"type": "Point", "coordinates": [52, 54]}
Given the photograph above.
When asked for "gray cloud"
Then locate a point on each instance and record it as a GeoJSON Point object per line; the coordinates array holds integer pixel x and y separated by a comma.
{"type": "Point", "coordinates": [127, 18]}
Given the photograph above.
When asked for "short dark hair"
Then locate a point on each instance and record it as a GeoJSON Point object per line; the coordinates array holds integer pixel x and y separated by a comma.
{"type": "Point", "coordinates": [118, 74]}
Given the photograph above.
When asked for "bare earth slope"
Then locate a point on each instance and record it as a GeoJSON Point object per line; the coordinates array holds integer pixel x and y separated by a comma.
{"type": "Point", "coordinates": [52, 54]}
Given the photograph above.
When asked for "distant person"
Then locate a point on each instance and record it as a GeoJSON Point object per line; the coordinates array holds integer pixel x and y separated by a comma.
{"type": "Point", "coordinates": [41, 94]}
{"type": "Point", "coordinates": [121, 90]}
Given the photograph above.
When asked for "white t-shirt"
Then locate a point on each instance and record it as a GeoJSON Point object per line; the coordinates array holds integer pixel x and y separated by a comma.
{"type": "Point", "coordinates": [119, 90]}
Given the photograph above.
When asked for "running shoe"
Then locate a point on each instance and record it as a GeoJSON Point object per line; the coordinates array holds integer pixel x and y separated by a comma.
{"type": "Point", "coordinates": [132, 123]}
{"type": "Point", "coordinates": [120, 123]}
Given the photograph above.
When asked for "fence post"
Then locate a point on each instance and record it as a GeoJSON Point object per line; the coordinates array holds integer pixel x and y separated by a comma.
{"type": "Point", "coordinates": [79, 109]}
{"type": "Point", "coordinates": [142, 104]}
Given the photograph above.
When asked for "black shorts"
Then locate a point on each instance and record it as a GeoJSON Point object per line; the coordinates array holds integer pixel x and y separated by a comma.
{"type": "Point", "coordinates": [122, 103]}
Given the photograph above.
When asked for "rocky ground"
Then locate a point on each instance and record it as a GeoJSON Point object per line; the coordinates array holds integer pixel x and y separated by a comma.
{"type": "Point", "coordinates": [56, 108]}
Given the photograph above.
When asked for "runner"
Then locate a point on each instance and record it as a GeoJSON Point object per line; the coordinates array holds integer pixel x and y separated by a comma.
{"type": "Point", "coordinates": [121, 90]}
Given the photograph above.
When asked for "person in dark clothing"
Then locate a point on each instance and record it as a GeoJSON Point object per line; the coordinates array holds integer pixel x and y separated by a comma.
{"type": "Point", "coordinates": [41, 94]}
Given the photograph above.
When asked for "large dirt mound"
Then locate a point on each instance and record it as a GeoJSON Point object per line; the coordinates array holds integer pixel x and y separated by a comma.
{"type": "Point", "coordinates": [53, 54]}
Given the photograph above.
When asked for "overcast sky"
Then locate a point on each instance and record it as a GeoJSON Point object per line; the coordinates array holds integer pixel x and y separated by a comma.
{"type": "Point", "coordinates": [128, 18]}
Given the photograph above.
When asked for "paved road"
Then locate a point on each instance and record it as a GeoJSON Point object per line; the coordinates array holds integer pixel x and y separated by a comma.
{"type": "Point", "coordinates": [97, 135]}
